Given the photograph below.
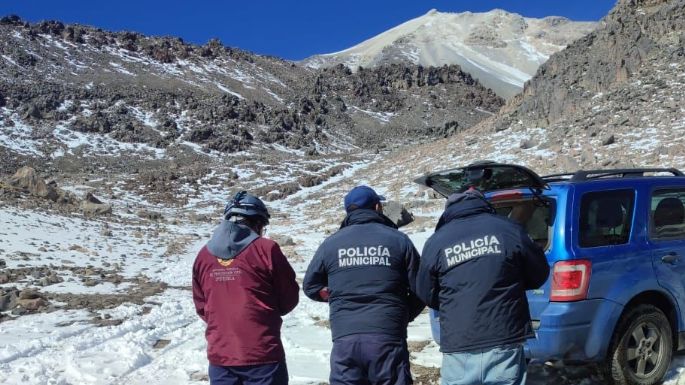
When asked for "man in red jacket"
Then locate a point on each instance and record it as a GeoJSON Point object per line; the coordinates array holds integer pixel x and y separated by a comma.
{"type": "Point", "coordinates": [242, 286]}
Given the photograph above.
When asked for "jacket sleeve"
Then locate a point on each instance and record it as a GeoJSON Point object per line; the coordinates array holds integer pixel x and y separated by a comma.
{"type": "Point", "coordinates": [413, 260]}
{"type": "Point", "coordinates": [535, 266]}
{"type": "Point", "coordinates": [198, 293]}
{"type": "Point", "coordinates": [285, 285]}
{"type": "Point", "coordinates": [316, 277]}
{"type": "Point", "coordinates": [427, 280]}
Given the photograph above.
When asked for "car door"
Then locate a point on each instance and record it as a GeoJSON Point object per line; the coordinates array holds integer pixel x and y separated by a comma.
{"type": "Point", "coordinates": [666, 233]}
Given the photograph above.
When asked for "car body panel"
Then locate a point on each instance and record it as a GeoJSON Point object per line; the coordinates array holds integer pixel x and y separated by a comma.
{"type": "Point", "coordinates": [582, 330]}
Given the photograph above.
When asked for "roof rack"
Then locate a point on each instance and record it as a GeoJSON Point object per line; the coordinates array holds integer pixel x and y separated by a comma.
{"type": "Point", "coordinates": [582, 175]}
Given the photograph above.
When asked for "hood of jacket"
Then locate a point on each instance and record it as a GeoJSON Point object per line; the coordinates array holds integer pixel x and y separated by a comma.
{"type": "Point", "coordinates": [361, 216]}
{"type": "Point", "coordinates": [229, 239]}
{"type": "Point", "coordinates": [463, 205]}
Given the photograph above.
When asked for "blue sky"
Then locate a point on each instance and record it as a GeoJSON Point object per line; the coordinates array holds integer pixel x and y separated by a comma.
{"type": "Point", "coordinates": [292, 29]}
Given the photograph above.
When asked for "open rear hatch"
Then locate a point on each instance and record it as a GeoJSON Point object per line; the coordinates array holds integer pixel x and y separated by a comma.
{"type": "Point", "coordinates": [515, 192]}
{"type": "Point", "coordinates": [484, 176]}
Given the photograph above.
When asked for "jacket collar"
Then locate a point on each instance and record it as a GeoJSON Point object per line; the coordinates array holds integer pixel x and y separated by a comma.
{"type": "Point", "coordinates": [362, 216]}
{"type": "Point", "coordinates": [463, 208]}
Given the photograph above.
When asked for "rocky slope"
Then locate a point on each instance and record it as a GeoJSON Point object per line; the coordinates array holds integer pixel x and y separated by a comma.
{"type": "Point", "coordinates": [615, 98]}
{"type": "Point", "coordinates": [500, 49]}
{"type": "Point", "coordinates": [71, 88]}
{"type": "Point", "coordinates": [638, 41]}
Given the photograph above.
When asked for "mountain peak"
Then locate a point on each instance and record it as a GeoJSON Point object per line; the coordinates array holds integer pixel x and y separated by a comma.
{"type": "Point", "coordinates": [501, 49]}
{"type": "Point", "coordinates": [499, 11]}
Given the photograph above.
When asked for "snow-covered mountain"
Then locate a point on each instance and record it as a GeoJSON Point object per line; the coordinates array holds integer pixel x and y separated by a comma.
{"type": "Point", "coordinates": [500, 49]}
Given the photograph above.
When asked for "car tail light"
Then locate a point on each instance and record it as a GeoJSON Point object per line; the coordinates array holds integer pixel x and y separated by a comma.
{"type": "Point", "coordinates": [570, 280]}
{"type": "Point", "coordinates": [505, 195]}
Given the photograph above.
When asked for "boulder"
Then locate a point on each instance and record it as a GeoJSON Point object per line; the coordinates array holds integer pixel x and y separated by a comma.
{"type": "Point", "coordinates": [432, 194]}
{"type": "Point", "coordinates": [397, 213]}
{"type": "Point", "coordinates": [609, 139]}
{"type": "Point", "coordinates": [32, 304]}
{"type": "Point", "coordinates": [92, 206]}
{"type": "Point", "coordinates": [32, 111]}
{"type": "Point", "coordinates": [30, 294]}
{"type": "Point", "coordinates": [527, 144]}
{"type": "Point", "coordinates": [567, 163]}
{"type": "Point", "coordinates": [160, 344]}
{"type": "Point", "coordinates": [26, 179]}
{"type": "Point", "coordinates": [150, 215]}
{"type": "Point", "coordinates": [283, 240]}
{"type": "Point", "coordinates": [8, 298]}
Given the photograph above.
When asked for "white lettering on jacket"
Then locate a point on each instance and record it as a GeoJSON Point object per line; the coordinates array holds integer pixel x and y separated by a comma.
{"type": "Point", "coordinates": [364, 256]}
{"type": "Point", "coordinates": [464, 251]}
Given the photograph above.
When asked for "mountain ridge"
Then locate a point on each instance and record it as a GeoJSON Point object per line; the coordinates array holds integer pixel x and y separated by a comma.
{"type": "Point", "coordinates": [63, 86]}
{"type": "Point", "coordinates": [501, 49]}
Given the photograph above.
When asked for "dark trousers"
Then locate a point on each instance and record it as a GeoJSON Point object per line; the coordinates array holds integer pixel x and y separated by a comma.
{"type": "Point", "coordinates": [370, 359]}
{"type": "Point", "coordinates": [266, 374]}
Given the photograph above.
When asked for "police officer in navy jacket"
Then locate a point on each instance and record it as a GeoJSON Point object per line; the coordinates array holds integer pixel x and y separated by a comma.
{"type": "Point", "coordinates": [475, 270]}
{"type": "Point", "coordinates": [366, 271]}
{"type": "Point", "coordinates": [242, 286]}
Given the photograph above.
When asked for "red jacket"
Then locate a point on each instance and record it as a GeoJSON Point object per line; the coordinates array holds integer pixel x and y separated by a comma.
{"type": "Point", "coordinates": [242, 301]}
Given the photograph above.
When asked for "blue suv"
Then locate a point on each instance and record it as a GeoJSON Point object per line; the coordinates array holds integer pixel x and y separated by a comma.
{"type": "Point", "coordinates": [615, 241]}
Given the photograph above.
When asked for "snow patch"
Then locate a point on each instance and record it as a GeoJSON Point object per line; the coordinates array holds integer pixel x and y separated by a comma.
{"type": "Point", "coordinates": [9, 59]}
{"type": "Point", "coordinates": [19, 136]}
{"type": "Point", "coordinates": [222, 88]}
{"type": "Point", "coordinates": [119, 68]}
{"type": "Point", "coordinates": [97, 144]}
{"type": "Point", "coordinates": [383, 117]}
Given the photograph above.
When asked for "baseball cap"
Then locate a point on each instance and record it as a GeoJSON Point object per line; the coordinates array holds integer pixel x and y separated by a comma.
{"type": "Point", "coordinates": [364, 197]}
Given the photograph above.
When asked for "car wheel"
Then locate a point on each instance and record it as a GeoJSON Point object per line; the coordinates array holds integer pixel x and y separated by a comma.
{"type": "Point", "coordinates": [641, 348]}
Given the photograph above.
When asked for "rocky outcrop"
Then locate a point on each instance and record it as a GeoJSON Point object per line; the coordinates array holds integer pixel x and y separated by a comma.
{"type": "Point", "coordinates": [633, 43]}
{"type": "Point", "coordinates": [163, 92]}
{"type": "Point", "coordinates": [27, 182]}
{"type": "Point", "coordinates": [397, 213]}
{"type": "Point", "coordinates": [611, 100]}
{"type": "Point", "coordinates": [22, 301]}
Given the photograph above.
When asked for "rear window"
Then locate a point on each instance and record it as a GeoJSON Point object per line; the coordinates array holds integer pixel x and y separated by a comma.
{"type": "Point", "coordinates": [484, 178]}
{"type": "Point", "coordinates": [667, 220]}
{"type": "Point", "coordinates": [605, 218]}
{"type": "Point", "coordinates": [536, 217]}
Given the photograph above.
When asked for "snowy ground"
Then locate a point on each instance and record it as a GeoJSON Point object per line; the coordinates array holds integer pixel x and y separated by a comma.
{"type": "Point", "coordinates": [161, 341]}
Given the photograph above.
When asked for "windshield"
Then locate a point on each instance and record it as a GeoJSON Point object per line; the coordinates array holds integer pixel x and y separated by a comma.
{"type": "Point", "coordinates": [536, 217]}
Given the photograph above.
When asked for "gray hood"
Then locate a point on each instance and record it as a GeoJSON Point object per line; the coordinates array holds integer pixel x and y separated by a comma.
{"type": "Point", "coordinates": [229, 239]}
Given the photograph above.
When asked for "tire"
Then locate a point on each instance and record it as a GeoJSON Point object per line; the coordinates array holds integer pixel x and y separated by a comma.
{"type": "Point", "coordinates": [641, 348]}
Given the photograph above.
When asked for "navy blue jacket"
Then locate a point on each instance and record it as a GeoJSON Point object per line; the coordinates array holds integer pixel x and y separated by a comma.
{"type": "Point", "coordinates": [476, 269]}
{"type": "Point", "coordinates": [370, 270]}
